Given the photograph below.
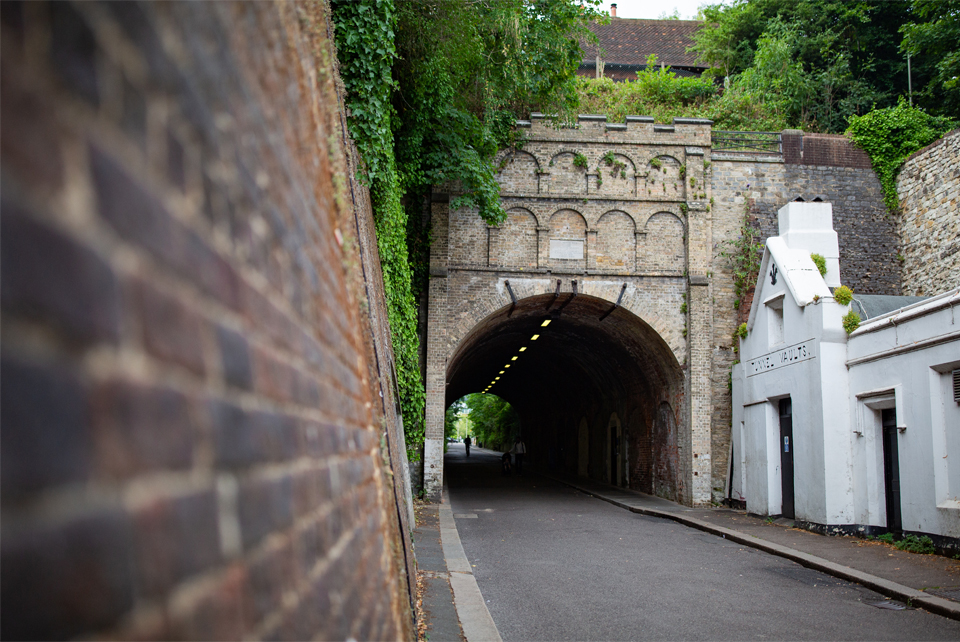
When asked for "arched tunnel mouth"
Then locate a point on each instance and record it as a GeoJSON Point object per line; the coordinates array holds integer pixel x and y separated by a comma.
{"type": "Point", "coordinates": [598, 391]}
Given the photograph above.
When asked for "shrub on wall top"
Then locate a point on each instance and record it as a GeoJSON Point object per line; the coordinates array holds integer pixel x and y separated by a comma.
{"type": "Point", "coordinates": [843, 295]}
{"type": "Point", "coordinates": [820, 262]}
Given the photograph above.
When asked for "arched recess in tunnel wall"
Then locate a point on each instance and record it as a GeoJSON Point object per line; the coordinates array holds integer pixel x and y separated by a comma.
{"type": "Point", "coordinates": [596, 369]}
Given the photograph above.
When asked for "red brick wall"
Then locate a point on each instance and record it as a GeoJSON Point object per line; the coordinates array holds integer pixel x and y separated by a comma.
{"type": "Point", "coordinates": [192, 428]}
{"type": "Point", "coordinates": [829, 150]}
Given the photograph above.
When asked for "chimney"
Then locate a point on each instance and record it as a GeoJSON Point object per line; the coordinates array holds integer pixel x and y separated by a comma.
{"type": "Point", "coordinates": [613, 10]}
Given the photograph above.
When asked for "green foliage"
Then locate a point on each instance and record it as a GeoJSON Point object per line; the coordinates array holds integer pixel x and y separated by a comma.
{"type": "Point", "coordinates": [820, 262]}
{"type": "Point", "coordinates": [913, 544]}
{"type": "Point", "coordinates": [742, 330]}
{"type": "Point", "coordinates": [817, 62]}
{"type": "Point", "coordinates": [660, 93]}
{"type": "Point", "coordinates": [933, 39]}
{"type": "Point", "coordinates": [434, 88]}
{"type": "Point", "coordinates": [494, 421]}
{"type": "Point", "coordinates": [580, 161]}
{"type": "Point", "coordinates": [683, 308]}
{"type": "Point", "coordinates": [744, 254]}
{"type": "Point", "coordinates": [366, 49]}
{"type": "Point", "coordinates": [851, 321]}
{"type": "Point", "coordinates": [922, 545]}
{"type": "Point", "coordinates": [656, 163]}
{"type": "Point", "coordinates": [890, 135]}
{"type": "Point", "coordinates": [843, 295]}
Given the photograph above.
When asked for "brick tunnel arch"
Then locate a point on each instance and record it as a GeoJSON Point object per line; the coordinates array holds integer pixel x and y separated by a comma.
{"type": "Point", "coordinates": [593, 365]}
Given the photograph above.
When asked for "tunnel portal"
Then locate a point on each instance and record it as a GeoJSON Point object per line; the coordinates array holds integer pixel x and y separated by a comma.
{"type": "Point", "coordinates": [598, 391]}
{"type": "Point", "coordinates": [608, 233]}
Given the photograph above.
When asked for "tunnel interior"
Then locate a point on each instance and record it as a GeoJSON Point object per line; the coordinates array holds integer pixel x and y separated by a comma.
{"type": "Point", "coordinates": [598, 391]}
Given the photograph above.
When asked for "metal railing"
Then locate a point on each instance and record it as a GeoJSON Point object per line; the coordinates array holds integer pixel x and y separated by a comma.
{"type": "Point", "coordinates": [747, 142]}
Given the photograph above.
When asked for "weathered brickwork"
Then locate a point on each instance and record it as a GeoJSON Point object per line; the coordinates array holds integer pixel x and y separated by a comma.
{"type": "Point", "coordinates": [929, 190]}
{"type": "Point", "coordinates": [191, 402]}
{"type": "Point", "coordinates": [650, 206]}
{"type": "Point", "coordinates": [622, 210]}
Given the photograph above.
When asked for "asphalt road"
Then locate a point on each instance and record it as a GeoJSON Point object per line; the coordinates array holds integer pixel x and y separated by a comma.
{"type": "Point", "coordinates": [555, 564]}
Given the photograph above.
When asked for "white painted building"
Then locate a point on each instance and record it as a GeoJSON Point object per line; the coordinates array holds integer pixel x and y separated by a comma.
{"type": "Point", "coordinates": [842, 432]}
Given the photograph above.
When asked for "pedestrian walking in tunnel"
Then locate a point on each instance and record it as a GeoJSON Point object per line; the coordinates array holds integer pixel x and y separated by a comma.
{"type": "Point", "coordinates": [466, 442]}
{"type": "Point", "coordinates": [519, 450]}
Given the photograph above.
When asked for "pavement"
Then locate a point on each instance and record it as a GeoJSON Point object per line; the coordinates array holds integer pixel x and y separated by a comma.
{"type": "Point", "coordinates": [928, 582]}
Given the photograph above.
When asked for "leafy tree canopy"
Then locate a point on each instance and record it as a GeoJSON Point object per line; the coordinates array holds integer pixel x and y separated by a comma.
{"type": "Point", "coordinates": [818, 62]}
{"type": "Point", "coordinates": [493, 421]}
{"type": "Point", "coordinates": [433, 90]}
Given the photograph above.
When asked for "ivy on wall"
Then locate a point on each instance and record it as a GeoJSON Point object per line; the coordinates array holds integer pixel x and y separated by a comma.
{"type": "Point", "coordinates": [365, 48]}
{"type": "Point", "coordinates": [434, 88]}
{"type": "Point", "coordinates": [890, 135]}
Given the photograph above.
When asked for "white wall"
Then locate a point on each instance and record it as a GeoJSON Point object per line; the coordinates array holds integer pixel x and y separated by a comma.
{"type": "Point", "coordinates": [922, 350]}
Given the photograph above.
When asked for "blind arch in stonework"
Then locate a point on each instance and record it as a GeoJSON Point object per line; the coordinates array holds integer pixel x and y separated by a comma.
{"type": "Point", "coordinates": [518, 239]}
{"type": "Point", "coordinates": [616, 242]}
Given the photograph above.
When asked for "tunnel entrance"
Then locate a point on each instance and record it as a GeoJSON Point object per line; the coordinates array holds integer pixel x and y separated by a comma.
{"type": "Point", "coordinates": [598, 391]}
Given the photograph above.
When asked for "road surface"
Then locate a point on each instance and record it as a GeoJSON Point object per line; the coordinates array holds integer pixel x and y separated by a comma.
{"type": "Point", "coordinates": [556, 564]}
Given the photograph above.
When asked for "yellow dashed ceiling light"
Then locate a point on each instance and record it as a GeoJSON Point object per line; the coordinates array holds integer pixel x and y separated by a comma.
{"type": "Point", "coordinates": [535, 337]}
{"type": "Point", "coordinates": [523, 348]}
{"type": "Point", "coordinates": [513, 358]}
{"type": "Point", "coordinates": [545, 323]}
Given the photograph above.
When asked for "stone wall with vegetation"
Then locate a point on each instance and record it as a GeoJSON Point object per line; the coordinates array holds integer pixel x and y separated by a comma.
{"type": "Point", "coordinates": [928, 187]}
{"type": "Point", "coordinates": [197, 406]}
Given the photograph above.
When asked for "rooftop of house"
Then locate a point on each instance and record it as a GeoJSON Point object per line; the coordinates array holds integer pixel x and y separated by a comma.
{"type": "Point", "coordinates": [870, 306]}
{"type": "Point", "coordinates": [629, 42]}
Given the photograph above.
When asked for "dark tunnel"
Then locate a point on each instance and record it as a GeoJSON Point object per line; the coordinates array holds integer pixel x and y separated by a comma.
{"type": "Point", "coordinates": [599, 392]}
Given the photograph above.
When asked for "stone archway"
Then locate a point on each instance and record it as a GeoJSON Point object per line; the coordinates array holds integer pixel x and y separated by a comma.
{"type": "Point", "coordinates": [558, 358]}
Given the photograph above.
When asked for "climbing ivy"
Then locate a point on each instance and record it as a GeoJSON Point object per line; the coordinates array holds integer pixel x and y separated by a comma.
{"type": "Point", "coordinates": [434, 88]}
{"type": "Point", "coordinates": [890, 135]}
{"type": "Point", "coordinates": [744, 254]}
{"type": "Point", "coordinates": [365, 48]}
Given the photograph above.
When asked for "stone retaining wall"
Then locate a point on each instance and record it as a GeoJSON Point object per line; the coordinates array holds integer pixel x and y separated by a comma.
{"type": "Point", "coordinates": [929, 190]}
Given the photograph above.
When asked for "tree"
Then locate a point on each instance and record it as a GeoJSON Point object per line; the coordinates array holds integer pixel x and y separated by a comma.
{"type": "Point", "coordinates": [932, 39]}
{"type": "Point", "coordinates": [841, 58]}
{"type": "Point", "coordinates": [433, 90]}
{"type": "Point", "coordinates": [494, 421]}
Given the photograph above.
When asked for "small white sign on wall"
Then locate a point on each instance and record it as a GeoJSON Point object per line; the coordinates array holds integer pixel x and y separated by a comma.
{"type": "Point", "coordinates": [782, 357]}
{"type": "Point", "coordinates": [566, 249]}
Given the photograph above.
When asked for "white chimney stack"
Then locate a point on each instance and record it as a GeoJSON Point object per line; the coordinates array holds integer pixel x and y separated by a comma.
{"type": "Point", "coordinates": [809, 226]}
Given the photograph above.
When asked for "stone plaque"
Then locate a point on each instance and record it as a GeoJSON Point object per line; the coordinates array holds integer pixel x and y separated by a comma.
{"type": "Point", "coordinates": [566, 250]}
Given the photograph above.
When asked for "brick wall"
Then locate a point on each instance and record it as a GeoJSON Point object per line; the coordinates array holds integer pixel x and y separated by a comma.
{"type": "Point", "coordinates": [929, 190]}
{"type": "Point", "coordinates": [193, 432]}
{"type": "Point", "coordinates": [825, 150]}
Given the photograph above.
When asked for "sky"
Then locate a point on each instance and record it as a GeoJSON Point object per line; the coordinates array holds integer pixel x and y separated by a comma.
{"type": "Point", "coordinates": [655, 8]}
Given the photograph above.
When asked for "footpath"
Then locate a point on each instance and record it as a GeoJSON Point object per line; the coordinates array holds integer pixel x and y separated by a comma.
{"type": "Point", "coordinates": [452, 605]}
{"type": "Point", "coordinates": [454, 609]}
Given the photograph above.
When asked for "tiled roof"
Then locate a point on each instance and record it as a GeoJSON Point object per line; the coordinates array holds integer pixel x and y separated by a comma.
{"type": "Point", "coordinates": [628, 41]}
